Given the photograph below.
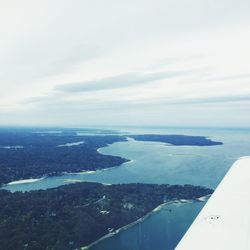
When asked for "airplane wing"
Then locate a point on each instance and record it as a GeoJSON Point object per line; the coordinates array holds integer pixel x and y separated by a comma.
{"type": "Point", "coordinates": [224, 222]}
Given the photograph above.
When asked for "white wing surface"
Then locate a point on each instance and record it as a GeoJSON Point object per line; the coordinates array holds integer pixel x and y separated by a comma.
{"type": "Point", "coordinates": [224, 222]}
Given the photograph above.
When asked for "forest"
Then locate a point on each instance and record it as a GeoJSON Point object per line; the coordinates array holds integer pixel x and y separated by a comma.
{"type": "Point", "coordinates": [75, 215]}
{"type": "Point", "coordinates": [26, 154]}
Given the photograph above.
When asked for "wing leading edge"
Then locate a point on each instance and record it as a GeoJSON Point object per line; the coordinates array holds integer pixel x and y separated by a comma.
{"type": "Point", "coordinates": [224, 222]}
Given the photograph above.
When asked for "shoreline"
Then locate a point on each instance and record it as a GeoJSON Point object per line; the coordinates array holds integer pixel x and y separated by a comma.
{"type": "Point", "coordinates": [71, 144]}
{"type": "Point", "coordinates": [109, 144]}
{"type": "Point", "coordinates": [32, 180]}
{"type": "Point", "coordinates": [24, 181]}
{"type": "Point", "coordinates": [204, 198]}
{"type": "Point", "coordinates": [36, 179]}
{"type": "Point", "coordinates": [89, 171]}
{"type": "Point", "coordinates": [155, 210]}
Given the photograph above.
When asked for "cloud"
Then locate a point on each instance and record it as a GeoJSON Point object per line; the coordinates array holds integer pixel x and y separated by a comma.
{"type": "Point", "coordinates": [115, 105]}
{"type": "Point", "coordinates": [223, 100]}
{"type": "Point", "coordinates": [230, 77]}
{"type": "Point", "coordinates": [56, 56]}
{"type": "Point", "coordinates": [220, 99]}
{"type": "Point", "coordinates": [119, 81]}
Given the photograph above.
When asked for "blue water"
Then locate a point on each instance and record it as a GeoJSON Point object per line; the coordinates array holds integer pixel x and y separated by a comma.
{"type": "Point", "coordinates": [154, 162]}
{"type": "Point", "coordinates": [162, 230]}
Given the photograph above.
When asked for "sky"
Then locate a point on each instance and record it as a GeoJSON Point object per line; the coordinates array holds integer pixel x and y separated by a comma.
{"type": "Point", "coordinates": [78, 63]}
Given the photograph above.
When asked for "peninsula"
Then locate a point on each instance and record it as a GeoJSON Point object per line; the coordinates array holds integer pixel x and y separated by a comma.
{"type": "Point", "coordinates": [177, 140]}
{"type": "Point", "coordinates": [25, 154]}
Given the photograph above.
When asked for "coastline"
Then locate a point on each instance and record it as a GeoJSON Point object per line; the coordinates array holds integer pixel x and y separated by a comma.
{"type": "Point", "coordinates": [107, 145]}
{"type": "Point", "coordinates": [204, 198]}
{"type": "Point", "coordinates": [155, 210]}
{"type": "Point", "coordinates": [24, 181]}
{"type": "Point", "coordinates": [98, 170]}
{"type": "Point", "coordinates": [89, 171]}
{"type": "Point", "coordinates": [32, 180]}
{"type": "Point", "coordinates": [99, 149]}
{"type": "Point", "coordinates": [128, 162]}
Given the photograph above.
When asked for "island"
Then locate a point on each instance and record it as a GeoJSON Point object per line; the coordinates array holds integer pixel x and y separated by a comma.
{"type": "Point", "coordinates": [177, 140]}
{"type": "Point", "coordinates": [76, 215]}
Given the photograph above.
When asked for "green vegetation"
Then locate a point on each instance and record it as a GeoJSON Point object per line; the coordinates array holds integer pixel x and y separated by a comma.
{"type": "Point", "coordinates": [38, 154]}
{"type": "Point", "coordinates": [76, 215]}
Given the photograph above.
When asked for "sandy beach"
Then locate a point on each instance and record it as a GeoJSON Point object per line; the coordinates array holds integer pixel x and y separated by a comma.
{"type": "Point", "coordinates": [24, 181]}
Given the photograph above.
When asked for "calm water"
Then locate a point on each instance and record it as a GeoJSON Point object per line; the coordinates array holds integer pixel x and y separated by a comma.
{"type": "Point", "coordinates": [154, 162]}
{"type": "Point", "coordinates": [162, 230]}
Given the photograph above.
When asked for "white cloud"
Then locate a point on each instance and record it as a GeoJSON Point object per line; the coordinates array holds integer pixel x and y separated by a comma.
{"type": "Point", "coordinates": [50, 46]}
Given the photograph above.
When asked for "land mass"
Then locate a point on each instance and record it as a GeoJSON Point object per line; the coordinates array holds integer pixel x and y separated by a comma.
{"type": "Point", "coordinates": [75, 215]}
{"type": "Point", "coordinates": [177, 140]}
{"type": "Point", "coordinates": [27, 154]}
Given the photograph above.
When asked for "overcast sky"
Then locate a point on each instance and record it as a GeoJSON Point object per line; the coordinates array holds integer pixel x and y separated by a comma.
{"type": "Point", "coordinates": [125, 62]}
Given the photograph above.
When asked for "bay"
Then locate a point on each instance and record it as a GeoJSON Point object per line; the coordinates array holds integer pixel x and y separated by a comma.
{"type": "Point", "coordinates": [155, 162]}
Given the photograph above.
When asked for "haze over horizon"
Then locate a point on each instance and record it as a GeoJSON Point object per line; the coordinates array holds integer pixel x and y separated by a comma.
{"type": "Point", "coordinates": [141, 62]}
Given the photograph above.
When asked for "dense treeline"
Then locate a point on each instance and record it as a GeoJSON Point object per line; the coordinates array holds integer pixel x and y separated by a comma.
{"type": "Point", "coordinates": [75, 215]}
{"type": "Point", "coordinates": [40, 154]}
{"type": "Point", "coordinates": [178, 140]}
